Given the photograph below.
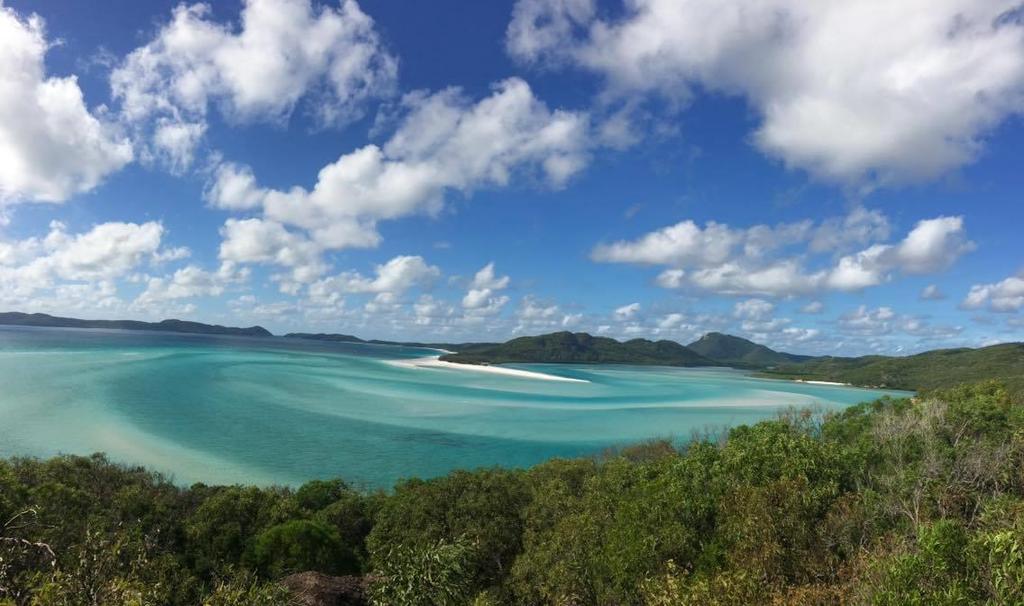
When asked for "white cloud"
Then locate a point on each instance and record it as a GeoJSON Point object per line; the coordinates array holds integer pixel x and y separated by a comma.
{"type": "Point", "coordinates": [828, 102]}
{"type": "Point", "coordinates": [444, 143]}
{"type": "Point", "coordinates": [1005, 295]}
{"type": "Point", "coordinates": [51, 146]}
{"type": "Point", "coordinates": [395, 277]}
{"type": "Point", "coordinates": [391, 280]}
{"type": "Point", "coordinates": [480, 299]}
{"type": "Point", "coordinates": [428, 311]}
{"type": "Point", "coordinates": [171, 254]}
{"type": "Point", "coordinates": [882, 321]}
{"type": "Point", "coordinates": [773, 260]}
{"type": "Point", "coordinates": [867, 321]}
{"type": "Point", "coordinates": [534, 316]}
{"type": "Point", "coordinates": [267, 242]}
{"type": "Point", "coordinates": [933, 245]}
{"type": "Point", "coordinates": [627, 312]}
{"type": "Point", "coordinates": [280, 52]}
{"type": "Point", "coordinates": [188, 282]}
{"type": "Point", "coordinates": [74, 264]}
{"type": "Point", "coordinates": [684, 243]}
{"type": "Point", "coordinates": [234, 188]}
{"type": "Point", "coordinates": [753, 309]}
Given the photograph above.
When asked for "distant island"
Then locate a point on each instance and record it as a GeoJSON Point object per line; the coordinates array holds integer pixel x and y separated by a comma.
{"type": "Point", "coordinates": [929, 370]}
{"type": "Point", "coordinates": [22, 319]}
{"type": "Point", "coordinates": [579, 348]}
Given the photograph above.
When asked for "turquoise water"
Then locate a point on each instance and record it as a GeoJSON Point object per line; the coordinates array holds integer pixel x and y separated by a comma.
{"type": "Point", "coordinates": [275, 410]}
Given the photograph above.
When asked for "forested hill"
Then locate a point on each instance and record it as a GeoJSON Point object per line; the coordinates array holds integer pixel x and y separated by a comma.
{"type": "Point", "coordinates": [580, 347]}
{"type": "Point", "coordinates": [741, 353]}
{"type": "Point", "coordinates": [22, 319]}
{"type": "Point", "coordinates": [925, 371]}
{"type": "Point", "coordinates": [929, 370]}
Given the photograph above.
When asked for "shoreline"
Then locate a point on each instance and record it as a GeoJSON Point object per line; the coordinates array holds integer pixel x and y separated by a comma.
{"type": "Point", "coordinates": [436, 362]}
{"type": "Point", "coordinates": [809, 382]}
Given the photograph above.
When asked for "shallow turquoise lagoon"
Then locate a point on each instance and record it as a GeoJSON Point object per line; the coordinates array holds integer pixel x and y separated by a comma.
{"type": "Point", "coordinates": [275, 410]}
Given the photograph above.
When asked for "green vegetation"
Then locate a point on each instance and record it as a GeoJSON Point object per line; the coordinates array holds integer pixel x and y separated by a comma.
{"type": "Point", "coordinates": [931, 370]}
{"type": "Point", "coordinates": [579, 348]}
{"type": "Point", "coordinates": [741, 353]}
{"type": "Point", "coordinates": [937, 369]}
{"type": "Point", "coordinates": [890, 502]}
{"type": "Point", "coordinates": [21, 319]}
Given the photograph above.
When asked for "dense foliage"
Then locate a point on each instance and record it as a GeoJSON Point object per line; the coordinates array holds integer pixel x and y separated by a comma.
{"type": "Point", "coordinates": [938, 369]}
{"type": "Point", "coordinates": [890, 502]}
{"type": "Point", "coordinates": [579, 348]}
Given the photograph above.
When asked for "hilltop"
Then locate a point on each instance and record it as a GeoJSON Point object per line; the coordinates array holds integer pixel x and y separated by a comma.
{"type": "Point", "coordinates": [741, 353]}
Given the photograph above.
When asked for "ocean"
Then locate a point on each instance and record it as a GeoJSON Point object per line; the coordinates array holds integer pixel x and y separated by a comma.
{"type": "Point", "coordinates": [283, 411]}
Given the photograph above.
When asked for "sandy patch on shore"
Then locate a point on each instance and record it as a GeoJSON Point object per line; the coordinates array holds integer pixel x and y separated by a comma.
{"type": "Point", "coordinates": [435, 362]}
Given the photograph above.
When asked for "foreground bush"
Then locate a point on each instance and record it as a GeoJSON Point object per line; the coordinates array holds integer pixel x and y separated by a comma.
{"type": "Point", "coordinates": [890, 502]}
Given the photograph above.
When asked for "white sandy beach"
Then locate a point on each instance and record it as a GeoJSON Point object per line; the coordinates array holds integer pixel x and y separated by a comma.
{"type": "Point", "coordinates": [822, 382]}
{"type": "Point", "coordinates": [436, 362]}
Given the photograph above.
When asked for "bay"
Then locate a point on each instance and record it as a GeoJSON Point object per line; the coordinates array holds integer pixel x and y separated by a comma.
{"type": "Point", "coordinates": [282, 411]}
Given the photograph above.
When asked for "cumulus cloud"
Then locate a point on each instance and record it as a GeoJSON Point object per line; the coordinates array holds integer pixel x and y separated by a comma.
{"type": "Point", "coordinates": [396, 276]}
{"type": "Point", "coordinates": [390, 281]}
{"type": "Point", "coordinates": [881, 321]}
{"type": "Point", "coordinates": [773, 260]}
{"type": "Point", "coordinates": [51, 145]}
{"type": "Point", "coordinates": [72, 265]}
{"type": "Point", "coordinates": [1004, 296]}
{"type": "Point", "coordinates": [428, 311]}
{"type": "Point", "coordinates": [828, 102]}
{"type": "Point", "coordinates": [444, 143]}
{"type": "Point", "coordinates": [627, 312]}
{"type": "Point", "coordinates": [535, 316]}
{"type": "Point", "coordinates": [481, 298]}
{"type": "Point", "coordinates": [268, 242]}
{"type": "Point", "coordinates": [280, 52]}
{"type": "Point", "coordinates": [753, 309]}
{"type": "Point", "coordinates": [189, 282]}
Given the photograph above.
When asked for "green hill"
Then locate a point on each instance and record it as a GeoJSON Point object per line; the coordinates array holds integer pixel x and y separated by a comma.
{"type": "Point", "coordinates": [21, 319]}
{"type": "Point", "coordinates": [580, 347]}
{"type": "Point", "coordinates": [741, 353]}
{"type": "Point", "coordinates": [924, 371]}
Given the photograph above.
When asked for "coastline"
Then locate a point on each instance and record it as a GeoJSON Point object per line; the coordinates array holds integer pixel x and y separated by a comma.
{"type": "Point", "coordinates": [436, 362]}
{"type": "Point", "coordinates": [809, 382]}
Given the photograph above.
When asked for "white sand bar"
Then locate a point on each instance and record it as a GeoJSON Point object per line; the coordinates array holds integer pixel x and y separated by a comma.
{"type": "Point", "coordinates": [436, 362]}
{"type": "Point", "coordinates": [822, 382]}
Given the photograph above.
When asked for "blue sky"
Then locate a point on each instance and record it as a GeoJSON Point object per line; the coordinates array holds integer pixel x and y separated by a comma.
{"type": "Point", "coordinates": [459, 171]}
